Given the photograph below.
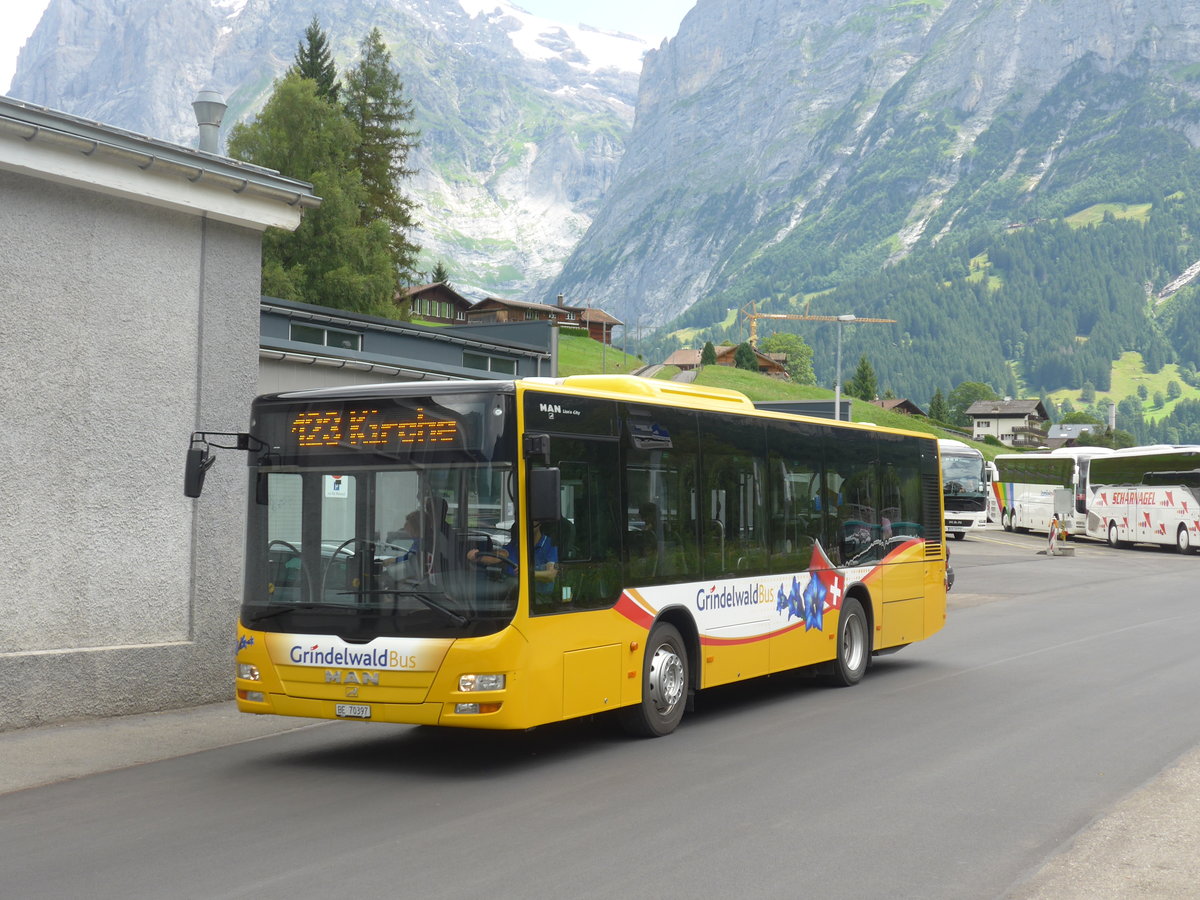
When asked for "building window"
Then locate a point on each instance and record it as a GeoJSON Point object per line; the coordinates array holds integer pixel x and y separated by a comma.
{"type": "Point", "coordinates": [326, 337]}
{"type": "Point", "coordinates": [496, 364]}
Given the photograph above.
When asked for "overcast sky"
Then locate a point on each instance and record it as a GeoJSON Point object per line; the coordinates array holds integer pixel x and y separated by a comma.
{"type": "Point", "coordinates": [650, 19]}
{"type": "Point", "coordinates": [17, 20]}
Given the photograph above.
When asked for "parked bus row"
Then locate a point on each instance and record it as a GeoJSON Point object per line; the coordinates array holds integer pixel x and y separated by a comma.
{"type": "Point", "coordinates": [1137, 495]}
{"type": "Point", "coordinates": [508, 554]}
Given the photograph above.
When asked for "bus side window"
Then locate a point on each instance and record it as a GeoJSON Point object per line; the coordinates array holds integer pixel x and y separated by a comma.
{"type": "Point", "coordinates": [586, 533]}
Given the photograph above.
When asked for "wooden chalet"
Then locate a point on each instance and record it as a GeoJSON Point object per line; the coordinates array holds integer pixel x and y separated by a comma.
{"type": "Point", "coordinates": [437, 302]}
{"type": "Point", "coordinates": [768, 363]}
{"type": "Point", "coordinates": [901, 405]}
{"type": "Point", "coordinates": [599, 324]}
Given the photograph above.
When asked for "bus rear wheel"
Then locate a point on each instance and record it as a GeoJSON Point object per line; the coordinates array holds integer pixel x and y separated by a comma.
{"type": "Point", "coordinates": [853, 646]}
{"type": "Point", "coordinates": [1183, 540]}
{"type": "Point", "coordinates": [664, 685]}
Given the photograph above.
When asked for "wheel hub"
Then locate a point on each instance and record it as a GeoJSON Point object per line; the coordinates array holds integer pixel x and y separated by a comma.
{"type": "Point", "coordinates": [666, 679]}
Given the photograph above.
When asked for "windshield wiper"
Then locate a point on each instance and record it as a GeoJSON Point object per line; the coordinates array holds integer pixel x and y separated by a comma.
{"type": "Point", "coordinates": [419, 596]}
{"type": "Point", "coordinates": [292, 607]}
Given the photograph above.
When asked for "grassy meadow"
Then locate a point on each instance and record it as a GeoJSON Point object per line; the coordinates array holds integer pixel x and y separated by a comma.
{"type": "Point", "coordinates": [1128, 373]}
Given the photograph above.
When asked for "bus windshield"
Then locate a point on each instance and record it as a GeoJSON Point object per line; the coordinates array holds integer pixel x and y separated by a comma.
{"type": "Point", "coordinates": [963, 476]}
{"type": "Point", "coordinates": [365, 539]}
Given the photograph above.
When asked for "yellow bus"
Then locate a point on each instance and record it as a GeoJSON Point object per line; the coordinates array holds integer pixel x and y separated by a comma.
{"type": "Point", "coordinates": [509, 554]}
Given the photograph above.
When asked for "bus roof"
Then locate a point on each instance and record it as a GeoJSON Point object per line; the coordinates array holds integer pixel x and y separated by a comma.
{"type": "Point", "coordinates": [1035, 468]}
{"type": "Point", "coordinates": [1132, 465]}
{"type": "Point", "coordinates": [623, 387]}
{"type": "Point", "coordinates": [949, 445]}
{"type": "Point", "coordinates": [693, 396]}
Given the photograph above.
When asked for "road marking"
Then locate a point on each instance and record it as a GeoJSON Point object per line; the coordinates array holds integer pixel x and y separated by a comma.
{"type": "Point", "coordinates": [1008, 543]}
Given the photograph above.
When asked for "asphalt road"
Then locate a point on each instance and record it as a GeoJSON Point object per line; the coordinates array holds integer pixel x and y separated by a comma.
{"type": "Point", "coordinates": [1042, 745]}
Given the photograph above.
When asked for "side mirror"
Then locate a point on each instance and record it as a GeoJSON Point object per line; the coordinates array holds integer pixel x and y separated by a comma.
{"type": "Point", "coordinates": [544, 488]}
{"type": "Point", "coordinates": [199, 461]}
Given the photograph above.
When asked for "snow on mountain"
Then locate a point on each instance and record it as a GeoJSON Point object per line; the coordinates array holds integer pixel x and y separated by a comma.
{"type": "Point", "coordinates": [581, 46]}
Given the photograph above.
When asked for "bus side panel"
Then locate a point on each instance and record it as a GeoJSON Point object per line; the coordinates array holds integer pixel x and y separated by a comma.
{"type": "Point", "coordinates": [728, 660]}
{"type": "Point", "coordinates": [935, 596]}
{"type": "Point", "coordinates": [1033, 506]}
{"type": "Point", "coordinates": [591, 680]}
{"type": "Point", "coordinates": [581, 663]}
{"type": "Point", "coordinates": [901, 589]}
{"type": "Point", "coordinates": [798, 646]}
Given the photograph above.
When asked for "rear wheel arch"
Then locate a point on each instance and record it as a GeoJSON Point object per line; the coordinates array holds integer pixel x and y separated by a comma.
{"type": "Point", "coordinates": [860, 593]}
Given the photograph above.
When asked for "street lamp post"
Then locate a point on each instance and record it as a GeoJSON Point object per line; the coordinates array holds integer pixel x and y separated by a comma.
{"type": "Point", "coordinates": [837, 389]}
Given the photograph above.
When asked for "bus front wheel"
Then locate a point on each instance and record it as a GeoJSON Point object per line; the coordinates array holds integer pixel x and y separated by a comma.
{"type": "Point", "coordinates": [1113, 540]}
{"type": "Point", "coordinates": [853, 647]}
{"type": "Point", "coordinates": [1006, 520]}
{"type": "Point", "coordinates": [664, 685]}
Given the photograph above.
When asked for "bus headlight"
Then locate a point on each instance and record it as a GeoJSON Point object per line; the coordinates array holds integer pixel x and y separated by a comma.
{"type": "Point", "coordinates": [467, 683]}
{"type": "Point", "coordinates": [248, 672]}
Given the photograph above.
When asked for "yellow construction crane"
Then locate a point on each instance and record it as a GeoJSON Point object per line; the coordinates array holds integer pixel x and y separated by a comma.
{"type": "Point", "coordinates": [753, 316]}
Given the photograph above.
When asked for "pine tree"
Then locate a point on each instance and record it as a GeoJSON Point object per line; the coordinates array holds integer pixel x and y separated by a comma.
{"type": "Point", "coordinates": [440, 274]}
{"type": "Point", "coordinates": [375, 103]}
{"type": "Point", "coordinates": [744, 358]}
{"type": "Point", "coordinates": [331, 259]}
{"type": "Point", "coordinates": [939, 411]}
{"type": "Point", "coordinates": [315, 60]}
{"type": "Point", "coordinates": [708, 356]}
{"type": "Point", "coordinates": [864, 384]}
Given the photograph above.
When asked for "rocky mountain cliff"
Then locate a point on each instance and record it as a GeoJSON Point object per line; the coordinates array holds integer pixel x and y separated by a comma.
{"type": "Point", "coordinates": [782, 147]}
{"type": "Point", "coordinates": [523, 120]}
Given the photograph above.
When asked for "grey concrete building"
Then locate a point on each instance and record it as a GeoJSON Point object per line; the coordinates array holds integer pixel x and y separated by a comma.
{"type": "Point", "coordinates": [303, 346]}
{"type": "Point", "coordinates": [129, 284]}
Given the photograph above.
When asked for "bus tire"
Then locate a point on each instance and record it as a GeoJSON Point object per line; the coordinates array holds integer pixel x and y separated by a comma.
{"type": "Point", "coordinates": [1183, 540]}
{"type": "Point", "coordinates": [1006, 520]}
{"type": "Point", "coordinates": [664, 685]}
{"type": "Point", "coordinates": [960, 535]}
{"type": "Point", "coordinates": [853, 645]}
{"type": "Point", "coordinates": [1113, 540]}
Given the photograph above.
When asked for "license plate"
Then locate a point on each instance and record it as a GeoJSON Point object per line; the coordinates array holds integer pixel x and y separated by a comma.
{"type": "Point", "coordinates": [353, 711]}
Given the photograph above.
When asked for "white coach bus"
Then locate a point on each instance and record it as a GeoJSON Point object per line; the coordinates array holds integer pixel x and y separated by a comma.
{"type": "Point", "coordinates": [1031, 488]}
{"type": "Point", "coordinates": [964, 487]}
{"type": "Point", "coordinates": [1148, 495]}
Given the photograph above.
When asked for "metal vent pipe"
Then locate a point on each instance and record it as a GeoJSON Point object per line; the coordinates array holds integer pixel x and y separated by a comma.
{"type": "Point", "coordinates": [210, 110]}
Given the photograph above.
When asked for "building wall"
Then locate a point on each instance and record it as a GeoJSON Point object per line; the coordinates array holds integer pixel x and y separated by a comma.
{"type": "Point", "coordinates": [127, 328]}
{"type": "Point", "coordinates": [999, 427]}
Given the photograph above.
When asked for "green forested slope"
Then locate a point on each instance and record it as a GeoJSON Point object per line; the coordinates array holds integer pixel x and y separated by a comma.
{"type": "Point", "coordinates": [1000, 287]}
